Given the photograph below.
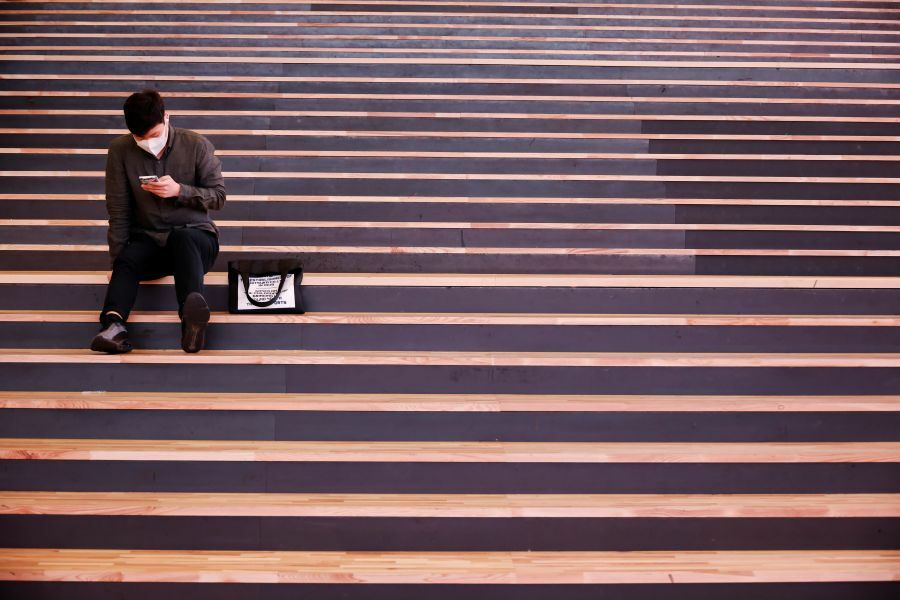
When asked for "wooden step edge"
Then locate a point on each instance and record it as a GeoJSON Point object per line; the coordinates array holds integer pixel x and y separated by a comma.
{"type": "Point", "coordinates": [456, 38]}
{"type": "Point", "coordinates": [347, 402]}
{"type": "Point", "coordinates": [408, 10]}
{"type": "Point", "coordinates": [518, 27]}
{"type": "Point", "coordinates": [436, 96]}
{"type": "Point", "coordinates": [492, 225]}
{"type": "Point", "coordinates": [496, 280]}
{"type": "Point", "coordinates": [71, 112]}
{"type": "Point", "coordinates": [490, 250]}
{"type": "Point", "coordinates": [454, 80]}
{"type": "Point", "coordinates": [456, 358]}
{"type": "Point", "coordinates": [493, 176]}
{"type": "Point", "coordinates": [797, 4]}
{"type": "Point", "coordinates": [452, 505]}
{"type": "Point", "coordinates": [448, 452]}
{"type": "Point", "coordinates": [634, 95]}
{"type": "Point", "coordinates": [475, 135]}
{"type": "Point", "coordinates": [489, 225]}
{"type": "Point", "coordinates": [190, 50]}
{"type": "Point", "coordinates": [474, 318]}
{"type": "Point", "coordinates": [496, 568]}
{"type": "Point", "coordinates": [466, 154]}
{"type": "Point", "coordinates": [856, 204]}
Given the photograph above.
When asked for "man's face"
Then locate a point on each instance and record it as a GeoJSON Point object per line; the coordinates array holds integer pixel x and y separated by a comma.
{"type": "Point", "coordinates": [157, 130]}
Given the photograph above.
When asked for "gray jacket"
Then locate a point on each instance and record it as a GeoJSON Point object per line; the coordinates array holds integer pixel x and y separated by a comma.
{"type": "Point", "coordinates": [189, 158]}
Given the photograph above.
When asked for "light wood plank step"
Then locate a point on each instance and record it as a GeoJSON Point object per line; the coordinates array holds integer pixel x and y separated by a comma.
{"type": "Point", "coordinates": [459, 199]}
{"type": "Point", "coordinates": [487, 250]}
{"type": "Point", "coordinates": [410, 318]}
{"type": "Point", "coordinates": [456, 80]}
{"type": "Point", "coordinates": [673, 42]}
{"type": "Point", "coordinates": [409, 9]}
{"type": "Point", "coordinates": [484, 134]}
{"type": "Point", "coordinates": [413, 358]}
{"type": "Point", "coordinates": [442, 402]}
{"type": "Point", "coordinates": [797, 4]}
{"type": "Point", "coordinates": [452, 505]}
{"type": "Point", "coordinates": [66, 112]}
{"type": "Point", "coordinates": [497, 280]}
{"type": "Point", "coordinates": [188, 50]}
{"type": "Point", "coordinates": [450, 567]}
{"type": "Point", "coordinates": [436, 96]}
{"type": "Point", "coordinates": [475, 154]}
{"type": "Point", "coordinates": [394, 175]}
{"type": "Point", "coordinates": [275, 26]}
{"type": "Point", "coordinates": [449, 452]}
{"type": "Point", "coordinates": [482, 225]}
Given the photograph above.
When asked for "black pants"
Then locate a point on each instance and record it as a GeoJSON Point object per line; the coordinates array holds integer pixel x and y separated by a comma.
{"type": "Point", "coordinates": [189, 254]}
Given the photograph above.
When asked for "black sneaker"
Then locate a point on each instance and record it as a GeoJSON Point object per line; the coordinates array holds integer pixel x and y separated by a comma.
{"type": "Point", "coordinates": [113, 339]}
{"type": "Point", "coordinates": [194, 318]}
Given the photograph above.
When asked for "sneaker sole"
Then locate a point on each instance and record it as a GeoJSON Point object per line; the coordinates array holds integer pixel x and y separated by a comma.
{"type": "Point", "coordinates": [196, 318]}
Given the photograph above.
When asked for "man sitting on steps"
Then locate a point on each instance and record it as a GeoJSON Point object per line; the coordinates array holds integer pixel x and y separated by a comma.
{"type": "Point", "coordinates": [160, 227]}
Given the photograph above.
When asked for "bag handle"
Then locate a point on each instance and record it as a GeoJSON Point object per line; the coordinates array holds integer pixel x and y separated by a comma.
{"type": "Point", "coordinates": [245, 279]}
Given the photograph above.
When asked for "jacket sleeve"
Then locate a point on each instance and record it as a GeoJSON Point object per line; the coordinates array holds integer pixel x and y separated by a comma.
{"type": "Point", "coordinates": [118, 203]}
{"type": "Point", "coordinates": [209, 194]}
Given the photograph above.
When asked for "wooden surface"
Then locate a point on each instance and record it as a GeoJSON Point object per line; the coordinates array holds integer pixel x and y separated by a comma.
{"type": "Point", "coordinates": [478, 250]}
{"type": "Point", "coordinates": [518, 27]}
{"type": "Point", "coordinates": [451, 505]}
{"type": "Point", "coordinates": [546, 359]}
{"type": "Point", "coordinates": [443, 402]}
{"type": "Point", "coordinates": [489, 176]}
{"type": "Point", "coordinates": [460, 115]}
{"type": "Point", "coordinates": [495, 97]}
{"type": "Point", "coordinates": [383, 37]}
{"type": "Point", "coordinates": [409, 318]}
{"type": "Point", "coordinates": [362, 153]}
{"type": "Point", "coordinates": [477, 225]}
{"type": "Point", "coordinates": [430, 61]}
{"type": "Point", "coordinates": [542, 3]}
{"type": "Point", "coordinates": [493, 280]}
{"type": "Point", "coordinates": [521, 452]}
{"type": "Point", "coordinates": [523, 15]}
{"type": "Point", "coordinates": [496, 81]}
{"type": "Point", "coordinates": [599, 293]}
{"type": "Point", "coordinates": [491, 200]}
{"type": "Point", "coordinates": [482, 51]}
{"type": "Point", "coordinates": [455, 568]}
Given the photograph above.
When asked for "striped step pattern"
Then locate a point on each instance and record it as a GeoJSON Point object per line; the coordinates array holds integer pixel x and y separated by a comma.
{"type": "Point", "coordinates": [602, 303]}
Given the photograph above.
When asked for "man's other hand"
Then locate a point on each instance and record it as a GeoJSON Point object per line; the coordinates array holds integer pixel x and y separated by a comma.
{"type": "Point", "coordinates": [166, 187]}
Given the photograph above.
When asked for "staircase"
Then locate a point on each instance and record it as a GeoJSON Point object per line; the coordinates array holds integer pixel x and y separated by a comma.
{"type": "Point", "coordinates": [603, 304]}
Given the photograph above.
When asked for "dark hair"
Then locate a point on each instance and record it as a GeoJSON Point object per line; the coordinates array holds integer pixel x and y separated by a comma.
{"type": "Point", "coordinates": [143, 111]}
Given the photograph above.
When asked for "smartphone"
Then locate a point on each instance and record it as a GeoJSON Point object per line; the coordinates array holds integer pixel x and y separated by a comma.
{"type": "Point", "coordinates": [148, 178]}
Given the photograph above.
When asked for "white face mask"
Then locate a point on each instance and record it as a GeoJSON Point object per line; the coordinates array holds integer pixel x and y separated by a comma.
{"type": "Point", "coordinates": [155, 144]}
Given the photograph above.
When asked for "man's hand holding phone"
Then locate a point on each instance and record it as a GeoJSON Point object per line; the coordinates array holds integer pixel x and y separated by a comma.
{"type": "Point", "coordinates": [164, 187]}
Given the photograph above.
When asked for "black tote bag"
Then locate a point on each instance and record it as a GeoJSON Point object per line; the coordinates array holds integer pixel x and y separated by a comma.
{"type": "Point", "coordinates": [265, 286]}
